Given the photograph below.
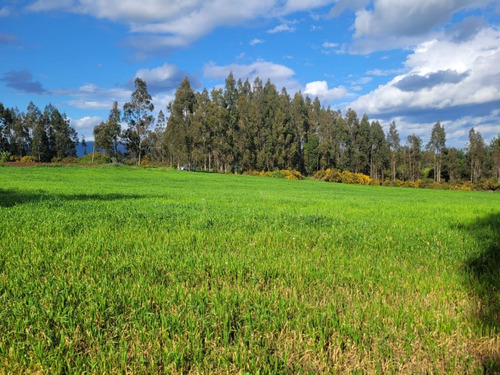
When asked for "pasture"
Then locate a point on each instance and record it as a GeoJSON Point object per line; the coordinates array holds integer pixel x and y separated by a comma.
{"type": "Point", "coordinates": [148, 270]}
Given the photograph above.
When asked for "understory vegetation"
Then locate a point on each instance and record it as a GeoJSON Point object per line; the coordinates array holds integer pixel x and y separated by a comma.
{"type": "Point", "coordinates": [151, 270]}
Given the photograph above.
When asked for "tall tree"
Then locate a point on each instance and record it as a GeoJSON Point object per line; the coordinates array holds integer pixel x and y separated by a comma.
{"type": "Point", "coordinates": [414, 144]}
{"type": "Point", "coordinates": [40, 145]}
{"type": "Point", "coordinates": [379, 151]}
{"type": "Point", "coordinates": [394, 147]}
{"type": "Point", "coordinates": [436, 145]}
{"type": "Point", "coordinates": [178, 135]}
{"type": "Point", "coordinates": [62, 137]}
{"type": "Point", "coordinates": [496, 157]}
{"type": "Point", "coordinates": [31, 119]}
{"type": "Point", "coordinates": [107, 133]}
{"type": "Point", "coordinates": [155, 139]}
{"type": "Point", "coordinates": [477, 154]}
{"type": "Point", "coordinates": [230, 152]}
{"type": "Point", "coordinates": [138, 114]}
{"type": "Point", "coordinates": [300, 122]}
{"type": "Point", "coordinates": [453, 163]}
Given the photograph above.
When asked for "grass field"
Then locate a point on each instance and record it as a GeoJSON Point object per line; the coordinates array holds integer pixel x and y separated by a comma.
{"type": "Point", "coordinates": [120, 270]}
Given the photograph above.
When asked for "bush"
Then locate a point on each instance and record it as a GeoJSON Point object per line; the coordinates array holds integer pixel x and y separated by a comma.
{"type": "Point", "coordinates": [490, 184]}
{"type": "Point", "coordinates": [28, 159]}
{"type": "Point", "coordinates": [5, 156]}
{"type": "Point", "coordinates": [283, 173]}
{"type": "Point", "coordinates": [145, 161]}
{"type": "Point", "coordinates": [99, 158]}
{"type": "Point", "coordinates": [319, 175]}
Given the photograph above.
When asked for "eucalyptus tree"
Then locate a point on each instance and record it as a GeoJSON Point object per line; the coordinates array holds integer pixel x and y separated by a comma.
{"type": "Point", "coordinates": [477, 153]}
{"type": "Point", "coordinates": [178, 135]}
{"type": "Point", "coordinates": [436, 145]}
{"type": "Point", "coordinates": [379, 151]}
{"type": "Point", "coordinates": [138, 114]}
{"type": "Point", "coordinates": [414, 156]}
{"type": "Point", "coordinates": [496, 157]}
{"type": "Point", "coordinates": [107, 133]}
{"type": "Point", "coordinates": [394, 147]}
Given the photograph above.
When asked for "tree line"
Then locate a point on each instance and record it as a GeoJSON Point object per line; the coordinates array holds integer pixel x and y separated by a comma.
{"type": "Point", "coordinates": [254, 126]}
{"type": "Point", "coordinates": [43, 135]}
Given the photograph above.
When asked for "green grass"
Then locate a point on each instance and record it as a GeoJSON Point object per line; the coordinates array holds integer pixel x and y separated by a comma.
{"type": "Point", "coordinates": [147, 271]}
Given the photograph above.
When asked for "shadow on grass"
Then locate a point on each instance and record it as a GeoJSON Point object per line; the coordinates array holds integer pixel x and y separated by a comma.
{"type": "Point", "coordinates": [12, 197]}
{"type": "Point", "coordinates": [483, 277]}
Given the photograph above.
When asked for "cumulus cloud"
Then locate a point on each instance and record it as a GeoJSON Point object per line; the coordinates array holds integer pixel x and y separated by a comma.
{"type": "Point", "coordinates": [90, 96]}
{"type": "Point", "coordinates": [466, 29]}
{"type": "Point", "coordinates": [343, 5]}
{"type": "Point", "coordinates": [22, 80]}
{"type": "Point", "coordinates": [405, 17]}
{"type": "Point", "coordinates": [442, 74]}
{"type": "Point", "coordinates": [416, 82]}
{"type": "Point", "coordinates": [165, 78]}
{"type": "Point", "coordinates": [457, 83]}
{"type": "Point", "coordinates": [292, 6]}
{"type": "Point", "coordinates": [390, 24]}
{"type": "Point", "coordinates": [280, 75]}
{"type": "Point", "coordinates": [85, 123]}
{"type": "Point", "coordinates": [161, 25]}
{"type": "Point", "coordinates": [321, 90]}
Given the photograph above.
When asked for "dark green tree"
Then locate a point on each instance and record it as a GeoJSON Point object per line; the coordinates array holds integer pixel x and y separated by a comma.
{"type": "Point", "coordinates": [178, 135]}
{"type": "Point", "coordinates": [495, 145]}
{"type": "Point", "coordinates": [379, 151]}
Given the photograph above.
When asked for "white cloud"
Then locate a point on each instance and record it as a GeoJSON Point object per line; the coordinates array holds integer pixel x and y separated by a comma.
{"type": "Point", "coordinates": [442, 74]}
{"type": "Point", "coordinates": [162, 100]}
{"type": "Point", "coordinates": [280, 75]}
{"type": "Point", "coordinates": [160, 25]}
{"type": "Point", "coordinates": [301, 5]}
{"type": "Point", "coordinates": [86, 123]}
{"type": "Point", "coordinates": [91, 96]}
{"type": "Point", "coordinates": [390, 24]}
{"type": "Point", "coordinates": [165, 78]}
{"type": "Point", "coordinates": [281, 28]}
{"type": "Point", "coordinates": [321, 90]}
{"type": "Point", "coordinates": [255, 41]}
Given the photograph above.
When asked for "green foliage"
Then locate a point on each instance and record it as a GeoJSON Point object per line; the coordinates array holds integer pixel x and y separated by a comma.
{"type": "Point", "coordinates": [96, 158]}
{"type": "Point", "coordinates": [121, 270]}
{"type": "Point", "coordinates": [138, 114]}
{"type": "Point", "coordinates": [5, 156]}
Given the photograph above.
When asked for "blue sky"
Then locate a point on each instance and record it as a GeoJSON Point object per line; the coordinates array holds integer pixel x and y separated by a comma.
{"type": "Point", "coordinates": [414, 62]}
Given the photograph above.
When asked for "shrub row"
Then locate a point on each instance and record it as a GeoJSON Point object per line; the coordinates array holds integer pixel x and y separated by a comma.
{"type": "Point", "coordinates": [283, 173]}
{"type": "Point", "coordinates": [346, 177]}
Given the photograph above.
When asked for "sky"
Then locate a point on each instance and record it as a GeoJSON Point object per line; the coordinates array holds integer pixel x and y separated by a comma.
{"type": "Point", "coordinates": [412, 62]}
